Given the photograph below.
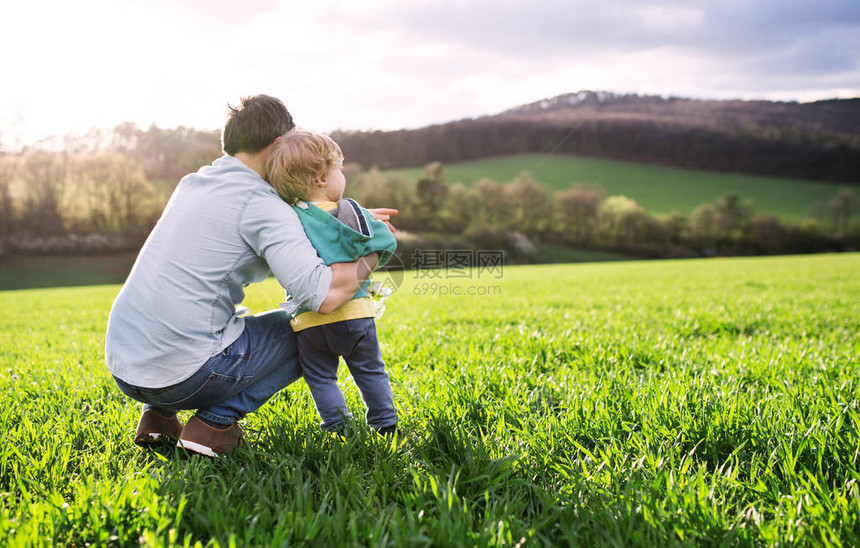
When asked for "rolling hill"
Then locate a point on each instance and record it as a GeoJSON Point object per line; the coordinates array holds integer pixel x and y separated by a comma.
{"type": "Point", "coordinates": [817, 141]}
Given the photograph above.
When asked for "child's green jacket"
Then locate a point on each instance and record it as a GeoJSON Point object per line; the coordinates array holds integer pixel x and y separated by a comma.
{"type": "Point", "coordinates": [346, 234]}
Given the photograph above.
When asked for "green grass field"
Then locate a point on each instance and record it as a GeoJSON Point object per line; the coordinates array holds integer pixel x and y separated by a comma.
{"type": "Point", "coordinates": [660, 190]}
{"type": "Point", "coordinates": [629, 403]}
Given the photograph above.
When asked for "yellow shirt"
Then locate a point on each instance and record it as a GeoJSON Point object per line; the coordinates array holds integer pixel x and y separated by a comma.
{"type": "Point", "coordinates": [354, 309]}
{"type": "Point", "coordinates": [325, 206]}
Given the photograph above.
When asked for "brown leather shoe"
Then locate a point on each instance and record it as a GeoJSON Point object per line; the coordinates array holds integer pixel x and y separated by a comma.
{"type": "Point", "coordinates": [199, 437]}
{"type": "Point", "coordinates": [154, 427]}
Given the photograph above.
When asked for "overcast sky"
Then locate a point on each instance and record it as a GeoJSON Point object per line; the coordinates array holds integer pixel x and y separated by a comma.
{"type": "Point", "coordinates": [386, 64]}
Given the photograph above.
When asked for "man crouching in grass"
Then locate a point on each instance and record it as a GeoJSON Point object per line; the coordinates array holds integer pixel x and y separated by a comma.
{"type": "Point", "coordinates": [174, 340]}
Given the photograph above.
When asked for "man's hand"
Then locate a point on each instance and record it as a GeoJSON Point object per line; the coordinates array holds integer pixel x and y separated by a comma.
{"type": "Point", "coordinates": [346, 280]}
{"type": "Point", "coordinates": [384, 214]}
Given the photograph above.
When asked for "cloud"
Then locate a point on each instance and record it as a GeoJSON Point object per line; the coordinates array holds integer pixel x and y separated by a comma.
{"type": "Point", "coordinates": [819, 31]}
{"type": "Point", "coordinates": [814, 56]}
{"type": "Point", "coordinates": [385, 64]}
{"type": "Point", "coordinates": [517, 52]}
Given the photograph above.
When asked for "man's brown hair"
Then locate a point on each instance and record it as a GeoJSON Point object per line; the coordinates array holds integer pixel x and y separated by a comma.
{"type": "Point", "coordinates": [299, 161]}
{"type": "Point", "coordinates": [254, 124]}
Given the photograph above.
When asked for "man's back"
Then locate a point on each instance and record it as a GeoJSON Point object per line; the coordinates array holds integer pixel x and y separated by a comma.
{"type": "Point", "coordinates": [177, 307]}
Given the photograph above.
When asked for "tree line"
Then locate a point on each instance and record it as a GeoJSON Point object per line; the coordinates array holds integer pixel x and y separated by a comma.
{"type": "Point", "coordinates": [782, 152]}
{"type": "Point", "coordinates": [48, 196]}
{"type": "Point", "coordinates": [103, 193]}
{"type": "Point", "coordinates": [95, 193]}
{"type": "Point", "coordinates": [520, 215]}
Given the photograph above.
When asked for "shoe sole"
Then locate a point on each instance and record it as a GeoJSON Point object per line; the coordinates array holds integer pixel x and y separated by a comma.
{"type": "Point", "coordinates": [149, 439]}
{"type": "Point", "coordinates": [197, 448]}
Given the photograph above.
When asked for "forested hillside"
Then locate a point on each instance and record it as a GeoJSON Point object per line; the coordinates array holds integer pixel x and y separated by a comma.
{"type": "Point", "coordinates": [819, 141]}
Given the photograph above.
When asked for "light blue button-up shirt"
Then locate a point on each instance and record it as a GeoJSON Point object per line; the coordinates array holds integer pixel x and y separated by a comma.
{"type": "Point", "coordinates": [223, 228]}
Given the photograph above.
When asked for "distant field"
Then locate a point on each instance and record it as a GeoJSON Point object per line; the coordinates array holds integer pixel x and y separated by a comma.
{"type": "Point", "coordinates": [558, 254]}
{"type": "Point", "coordinates": [708, 402]}
{"type": "Point", "coordinates": [22, 272]}
{"type": "Point", "coordinates": [661, 190]}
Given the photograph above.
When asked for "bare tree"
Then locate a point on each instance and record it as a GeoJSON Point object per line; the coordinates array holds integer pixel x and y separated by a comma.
{"type": "Point", "coordinates": [493, 204]}
{"type": "Point", "coordinates": [431, 188]}
{"type": "Point", "coordinates": [431, 191]}
{"type": "Point", "coordinates": [8, 167]}
{"type": "Point", "coordinates": [732, 217]}
{"type": "Point", "coordinates": [677, 227]}
{"type": "Point", "coordinates": [767, 234]}
{"type": "Point", "coordinates": [44, 177]}
{"type": "Point", "coordinates": [703, 224]}
{"type": "Point", "coordinates": [463, 206]}
{"type": "Point", "coordinates": [112, 196]}
{"type": "Point", "coordinates": [624, 222]}
{"type": "Point", "coordinates": [577, 214]}
{"type": "Point", "coordinates": [529, 203]}
{"type": "Point", "coordinates": [842, 207]}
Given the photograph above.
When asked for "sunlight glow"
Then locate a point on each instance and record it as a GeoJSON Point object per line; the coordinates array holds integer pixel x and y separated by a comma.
{"type": "Point", "coordinates": [383, 65]}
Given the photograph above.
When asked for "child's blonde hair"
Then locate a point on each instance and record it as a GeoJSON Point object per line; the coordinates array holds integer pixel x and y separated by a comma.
{"type": "Point", "coordinates": [299, 160]}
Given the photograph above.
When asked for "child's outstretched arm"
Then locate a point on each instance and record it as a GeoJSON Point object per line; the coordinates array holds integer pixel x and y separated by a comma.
{"type": "Point", "coordinates": [384, 214]}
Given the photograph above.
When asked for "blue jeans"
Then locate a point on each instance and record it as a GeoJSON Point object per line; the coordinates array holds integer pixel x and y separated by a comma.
{"type": "Point", "coordinates": [319, 351]}
{"type": "Point", "coordinates": [236, 381]}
